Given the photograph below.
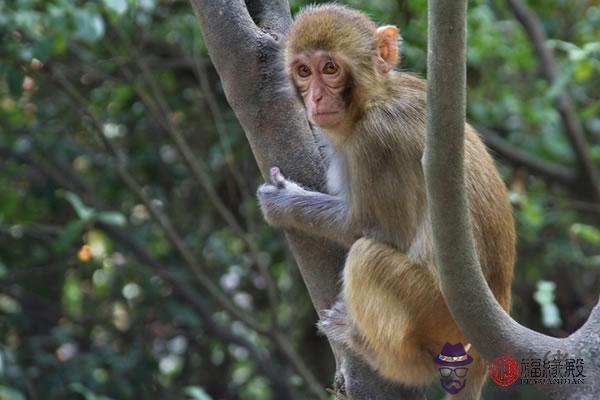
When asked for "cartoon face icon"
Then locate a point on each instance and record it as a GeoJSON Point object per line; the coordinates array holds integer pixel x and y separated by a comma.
{"type": "Point", "coordinates": [453, 380]}
{"type": "Point", "coordinates": [452, 362]}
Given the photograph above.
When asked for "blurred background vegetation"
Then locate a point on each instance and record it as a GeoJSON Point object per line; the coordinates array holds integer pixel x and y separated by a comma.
{"type": "Point", "coordinates": [134, 262]}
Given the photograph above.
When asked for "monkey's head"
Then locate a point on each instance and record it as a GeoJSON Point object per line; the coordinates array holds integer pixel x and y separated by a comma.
{"type": "Point", "coordinates": [338, 60]}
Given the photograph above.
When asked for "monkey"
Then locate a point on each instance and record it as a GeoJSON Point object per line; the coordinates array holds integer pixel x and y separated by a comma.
{"type": "Point", "coordinates": [372, 117]}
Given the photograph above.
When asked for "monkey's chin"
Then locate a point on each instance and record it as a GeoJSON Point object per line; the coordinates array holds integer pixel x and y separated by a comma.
{"type": "Point", "coordinates": [327, 120]}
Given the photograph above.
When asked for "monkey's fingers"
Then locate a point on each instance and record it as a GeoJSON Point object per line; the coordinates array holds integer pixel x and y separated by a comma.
{"type": "Point", "coordinates": [277, 178]}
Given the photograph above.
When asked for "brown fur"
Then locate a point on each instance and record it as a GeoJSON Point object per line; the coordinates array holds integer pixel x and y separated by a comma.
{"type": "Point", "coordinates": [393, 312]}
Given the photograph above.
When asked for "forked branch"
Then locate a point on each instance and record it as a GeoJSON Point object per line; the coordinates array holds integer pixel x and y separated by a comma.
{"type": "Point", "coordinates": [489, 328]}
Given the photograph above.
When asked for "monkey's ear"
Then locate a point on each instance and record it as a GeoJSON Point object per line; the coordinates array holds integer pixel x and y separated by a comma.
{"type": "Point", "coordinates": [387, 41]}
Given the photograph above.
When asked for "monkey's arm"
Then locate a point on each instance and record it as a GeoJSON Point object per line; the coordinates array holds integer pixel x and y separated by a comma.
{"type": "Point", "coordinates": [286, 204]}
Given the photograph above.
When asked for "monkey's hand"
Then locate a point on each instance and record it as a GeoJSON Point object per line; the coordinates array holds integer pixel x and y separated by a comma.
{"type": "Point", "coordinates": [279, 198]}
{"type": "Point", "coordinates": [286, 204]}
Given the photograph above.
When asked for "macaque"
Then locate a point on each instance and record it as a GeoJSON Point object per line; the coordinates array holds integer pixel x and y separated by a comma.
{"type": "Point", "coordinates": [391, 310]}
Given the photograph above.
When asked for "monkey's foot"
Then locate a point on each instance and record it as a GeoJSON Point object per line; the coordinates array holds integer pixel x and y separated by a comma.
{"type": "Point", "coordinates": [334, 324]}
{"type": "Point", "coordinates": [339, 387]}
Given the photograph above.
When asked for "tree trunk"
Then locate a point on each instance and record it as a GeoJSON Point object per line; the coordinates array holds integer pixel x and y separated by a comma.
{"type": "Point", "coordinates": [243, 41]}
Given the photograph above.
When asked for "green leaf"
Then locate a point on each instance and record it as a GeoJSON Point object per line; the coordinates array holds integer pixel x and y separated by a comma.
{"type": "Point", "coordinates": [8, 393]}
{"type": "Point", "coordinates": [544, 296]}
{"type": "Point", "coordinates": [583, 70]}
{"type": "Point", "coordinates": [591, 47]}
{"type": "Point", "coordinates": [586, 232]}
{"type": "Point", "coordinates": [147, 5]}
{"type": "Point", "coordinates": [43, 48]}
{"type": "Point", "coordinates": [28, 20]}
{"type": "Point", "coordinates": [117, 6]}
{"type": "Point", "coordinates": [59, 45]}
{"type": "Point", "coordinates": [112, 218]}
{"type": "Point", "coordinates": [86, 393]}
{"type": "Point", "coordinates": [558, 86]}
{"type": "Point", "coordinates": [15, 81]}
{"type": "Point", "coordinates": [68, 236]}
{"type": "Point", "coordinates": [591, 111]}
{"type": "Point", "coordinates": [83, 212]}
{"type": "Point", "coordinates": [9, 305]}
{"type": "Point", "coordinates": [89, 26]}
{"type": "Point", "coordinates": [72, 296]}
{"type": "Point", "coordinates": [196, 393]}
{"type": "Point", "coordinates": [533, 213]}
{"type": "Point", "coordinates": [595, 154]}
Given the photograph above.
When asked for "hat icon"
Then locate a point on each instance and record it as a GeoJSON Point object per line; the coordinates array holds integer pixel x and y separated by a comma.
{"type": "Point", "coordinates": [453, 355]}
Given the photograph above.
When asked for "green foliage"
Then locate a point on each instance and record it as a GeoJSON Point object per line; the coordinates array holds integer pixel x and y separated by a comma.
{"type": "Point", "coordinates": [196, 393]}
{"type": "Point", "coordinates": [84, 316]}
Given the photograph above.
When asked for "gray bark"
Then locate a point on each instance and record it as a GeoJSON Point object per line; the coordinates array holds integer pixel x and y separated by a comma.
{"type": "Point", "coordinates": [488, 327]}
{"type": "Point", "coordinates": [243, 41]}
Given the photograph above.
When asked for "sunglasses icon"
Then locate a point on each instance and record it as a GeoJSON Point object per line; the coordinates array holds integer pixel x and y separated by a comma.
{"type": "Point", "coordinates": [447, 372]}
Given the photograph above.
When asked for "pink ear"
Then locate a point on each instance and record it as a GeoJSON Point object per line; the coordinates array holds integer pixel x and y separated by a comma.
{"type": "Point", "coordinates": [387, 41]}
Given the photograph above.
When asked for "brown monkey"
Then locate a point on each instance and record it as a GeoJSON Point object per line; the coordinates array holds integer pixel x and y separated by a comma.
{"type": "Point", "coordinates": [392, 311]}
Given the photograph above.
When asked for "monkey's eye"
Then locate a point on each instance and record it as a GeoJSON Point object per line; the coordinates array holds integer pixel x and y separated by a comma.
{"type": "Point", "coordinates": [330, 68]}
{"type": "Point", "coordinates": [303, 71]}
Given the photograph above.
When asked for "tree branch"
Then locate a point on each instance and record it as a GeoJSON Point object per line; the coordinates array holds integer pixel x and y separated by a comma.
{"type": "Point", "coordinates": [587, 171]}
{"type": "Point", "coordinates": [491, 330]}
{"type": "Point", "coordinates": [547, 170]}
{"type": "Point", "coordinates": [41, 167]}
{"type": "Point", "coordinates": [268, 14]}
{"type": "Point", "coordinates": [462, 282]}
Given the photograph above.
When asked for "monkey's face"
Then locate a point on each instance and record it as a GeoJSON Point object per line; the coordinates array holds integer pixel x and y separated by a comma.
{"type": "Point", "coordinates": [321, 80]}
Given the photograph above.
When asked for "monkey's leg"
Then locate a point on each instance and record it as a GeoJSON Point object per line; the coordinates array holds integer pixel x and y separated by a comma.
{"type": "Point", "coordinates": [396, 306]}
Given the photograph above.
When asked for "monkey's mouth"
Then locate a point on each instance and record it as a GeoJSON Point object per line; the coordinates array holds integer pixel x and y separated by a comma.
{"type": "Point", "coordinates": [326, 119]}
{"type": "Point", "coordinates": [324, 113]}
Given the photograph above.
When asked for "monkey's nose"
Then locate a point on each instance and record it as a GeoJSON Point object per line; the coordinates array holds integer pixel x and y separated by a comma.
{"type": "Point", "coordinates": [317, 96]}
